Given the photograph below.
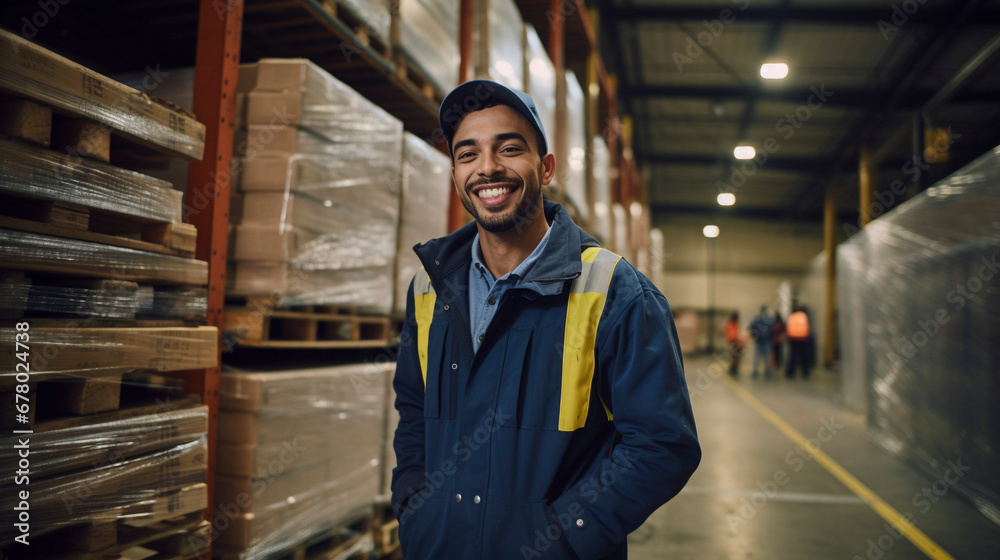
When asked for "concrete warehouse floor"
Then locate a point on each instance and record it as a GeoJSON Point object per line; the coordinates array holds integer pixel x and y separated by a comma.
{"type": "Point", "coordinates": [760, 495]}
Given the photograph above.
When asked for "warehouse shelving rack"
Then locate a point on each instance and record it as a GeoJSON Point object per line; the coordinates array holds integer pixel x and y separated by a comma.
{"type": "Point", "coordinates": [231, 30]}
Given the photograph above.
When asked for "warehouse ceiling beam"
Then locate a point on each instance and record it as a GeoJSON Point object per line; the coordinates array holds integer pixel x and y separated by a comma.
{"type": "Point", "coordinates": [916, 65]}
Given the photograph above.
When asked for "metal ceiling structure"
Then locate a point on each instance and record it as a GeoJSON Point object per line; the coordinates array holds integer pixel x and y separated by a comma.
{"type": "Point", "coordinates": [889, 75]}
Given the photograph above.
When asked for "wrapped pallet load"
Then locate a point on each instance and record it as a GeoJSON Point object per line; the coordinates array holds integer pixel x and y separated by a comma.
{"type": "Point", "coordinates": [320, 185]}
{"type": "Point", "coordinates": [424, 216]}
{"type": "Point", "coordinates": [429, 38]}
{"type": "Point", "coordinates": [499, 42]}
{"type": "Point", "coordinates": [300, 454]}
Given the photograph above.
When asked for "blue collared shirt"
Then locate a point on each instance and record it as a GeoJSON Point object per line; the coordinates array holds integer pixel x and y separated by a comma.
{"type": "Point", "coordinates": [485, 292]}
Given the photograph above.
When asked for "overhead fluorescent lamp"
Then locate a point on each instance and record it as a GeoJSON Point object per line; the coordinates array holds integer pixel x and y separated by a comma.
{"type": "Point", "coordinates": [710, 232]}
{"type": "Point", "coordinates": [744, 152]}
{"type": "Point", "coordinates": [773, 70]}
{"type": "Point", "coordinates": [726, 199]}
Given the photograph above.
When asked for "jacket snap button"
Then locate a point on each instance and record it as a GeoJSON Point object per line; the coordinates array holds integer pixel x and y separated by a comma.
{"type": "Point", "coordinates": [454, 366]}
{"type": "Point", "coordinates": [447, 307]}
{"type": "Point", "coordinates": [458, 497]}
{"type": "Point", "coordinates": [475, 499]}
{"type": "Point", "coordinates": [579, 523]}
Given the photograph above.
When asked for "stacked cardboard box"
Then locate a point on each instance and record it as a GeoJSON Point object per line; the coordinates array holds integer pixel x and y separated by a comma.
{"type": "Point", "coordinates": [429, 38]}
{"type": "Point", "coordinates": [498, 42]}
{"type": "Point", "coordinates": [300, 454]}
{"type": "Point", "coordinates": [423, 215]}
{"type": "Point", "coordinates": [320, 185]}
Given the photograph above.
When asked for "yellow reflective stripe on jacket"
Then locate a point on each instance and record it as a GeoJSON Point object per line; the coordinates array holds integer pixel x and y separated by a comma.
{"type": "Point", "coordinates": [424, 297]}
{"type": "Point", "coordinates": [584, 308]}
{"type": "Point", "coordinates": [587, 296]}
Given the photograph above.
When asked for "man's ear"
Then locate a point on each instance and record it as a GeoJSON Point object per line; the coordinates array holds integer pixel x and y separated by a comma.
{"type": "Point", "coordinates": [548, 168]}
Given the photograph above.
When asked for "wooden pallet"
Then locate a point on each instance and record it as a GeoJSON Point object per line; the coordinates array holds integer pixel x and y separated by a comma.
{"type": "Point", "coordinates": [409, 72]}
{"type": "Point", "coordinates": [183, 536]}
{"type": "Point", "coordinates": [349, 541]}
{"type": "Point", "coordinates": [64, 219]}
{"type": "Point", "coordinates": [51, 403]}
{"type": "Point", "coordinates": [260, 324]}
{"type": "Point", "coordinates": [363, 34]}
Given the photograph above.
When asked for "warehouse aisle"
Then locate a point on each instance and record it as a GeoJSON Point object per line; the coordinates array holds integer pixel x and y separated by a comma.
{"type": "Point", "coordinates": [757, 494]}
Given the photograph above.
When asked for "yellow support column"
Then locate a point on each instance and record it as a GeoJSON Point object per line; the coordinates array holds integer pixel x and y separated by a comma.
{"type": "Point", "coordinates": [867, 182]}
{"type": "Point", "coordinates": [830, 250]}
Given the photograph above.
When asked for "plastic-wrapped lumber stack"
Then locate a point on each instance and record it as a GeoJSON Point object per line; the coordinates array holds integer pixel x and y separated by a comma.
{"type": "Point", "coordinates": [300, 455]}
{"type": "Point", "coordinates": [499, 42]}
{"type": "Point", "coordinates": [320, 184]}
{"type": "Point", "coordinates": [428, 38]}
{"type": "Point", "coordinates": [426, 190]}
{"type": "Point", "coordinates": [919, 295]}
{"type": "Point", "coordinates": [121, 483]}
{"type": "Point", "coordinates": [99, 296]}
{"type": "Point", "coordinates": [571, 158]}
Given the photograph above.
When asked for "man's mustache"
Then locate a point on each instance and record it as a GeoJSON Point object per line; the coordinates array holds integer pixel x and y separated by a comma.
{"type": "Point", "coordinates": [495, 179]}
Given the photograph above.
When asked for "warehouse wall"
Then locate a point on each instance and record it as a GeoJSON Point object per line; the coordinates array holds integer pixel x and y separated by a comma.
{"type": "Point", "coordinates": [757, 262]}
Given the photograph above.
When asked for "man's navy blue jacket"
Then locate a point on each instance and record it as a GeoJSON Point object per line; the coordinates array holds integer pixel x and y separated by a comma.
{"type": "Point", "coordinates": [542, 444]}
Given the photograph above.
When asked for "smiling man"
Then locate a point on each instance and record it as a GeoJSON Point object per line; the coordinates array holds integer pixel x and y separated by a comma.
{"type": "Point", "coordinates": [542, 402]}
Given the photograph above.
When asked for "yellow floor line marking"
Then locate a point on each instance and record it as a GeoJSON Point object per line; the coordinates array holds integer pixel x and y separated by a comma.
{"type": "Point", "coordinates": [883, 509]}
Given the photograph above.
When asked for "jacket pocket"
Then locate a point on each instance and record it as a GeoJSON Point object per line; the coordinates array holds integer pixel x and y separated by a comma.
{"type": "Point", "coordinates": [520, 529]}
{"type": "Point", "coordinates": [421, 533]}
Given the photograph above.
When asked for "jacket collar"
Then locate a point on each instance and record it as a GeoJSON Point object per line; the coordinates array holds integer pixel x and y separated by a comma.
{"type": "Point", "coordinates": [560, 261]}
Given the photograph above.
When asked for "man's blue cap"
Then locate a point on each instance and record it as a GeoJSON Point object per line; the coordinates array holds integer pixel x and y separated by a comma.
{"type": "Point", "coordinates": [475, 94]}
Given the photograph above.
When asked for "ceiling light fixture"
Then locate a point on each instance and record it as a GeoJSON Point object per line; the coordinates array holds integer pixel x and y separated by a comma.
{"type": "Point", "coordinates": [774, 70]}
{"type": "Point", "coordinates": [710, 231]}
{"type": "Point", "coordinates": [744, 152]}
{"type": "Point", "coordinates": [726, 199]}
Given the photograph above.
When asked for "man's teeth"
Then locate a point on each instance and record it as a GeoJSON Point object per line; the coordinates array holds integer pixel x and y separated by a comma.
{"type": "Point", "coordinates": [492, 193]}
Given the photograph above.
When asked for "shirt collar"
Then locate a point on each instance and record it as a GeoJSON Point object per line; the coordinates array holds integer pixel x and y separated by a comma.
{"type": "Point", "coordinates": [520, 270]}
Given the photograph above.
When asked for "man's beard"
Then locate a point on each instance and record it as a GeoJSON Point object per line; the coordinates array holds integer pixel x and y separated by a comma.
{"type": "Point", "coordinates": [527, 207]}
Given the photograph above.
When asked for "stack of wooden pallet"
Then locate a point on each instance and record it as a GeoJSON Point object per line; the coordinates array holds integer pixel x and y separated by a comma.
{"type": "Point", "coordinates": [101, 295]}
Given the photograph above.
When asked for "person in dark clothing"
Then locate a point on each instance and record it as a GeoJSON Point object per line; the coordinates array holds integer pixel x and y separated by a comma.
{"type": "Point", "coordinates": [777, 341]}
{"type": "Point", "coordinates": [543, 410]}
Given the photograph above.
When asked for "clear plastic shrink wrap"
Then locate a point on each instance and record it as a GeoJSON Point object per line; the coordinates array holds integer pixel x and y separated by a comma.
{"type": "Point", "coordinates": [426, 192]}
{"type": "Point", "coordinates": [498, 42]}
{"type": "Point", "coordinates": [429, 37]}
{"type": "Point", "coordinates": [300, 452]}
{"type": "Point", "coordinates": [320, 190]}
{"type": "Point", "coordinates": [540, 81]}
{"type": "Point", "coordinates": [574, 172]}
{"type": "Point", "coordinates": [140, 469]}
{"type": "Point", "coordinates": [82, 351]}
{"type": "Point", "coordinates": [373, 14]}
{"type": "Point", "coordinates": [119, 300]}
{"type": "Point", "coordinates": [37, 172]}
{"type": "Point", "coordinates": [27, 70]}
{"type": "Point", "coordinates": [600, 184]}
{"type": "Point", "coordinates": [919, 320]}
{"type": "Point", "coordinates": [45, 253]}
